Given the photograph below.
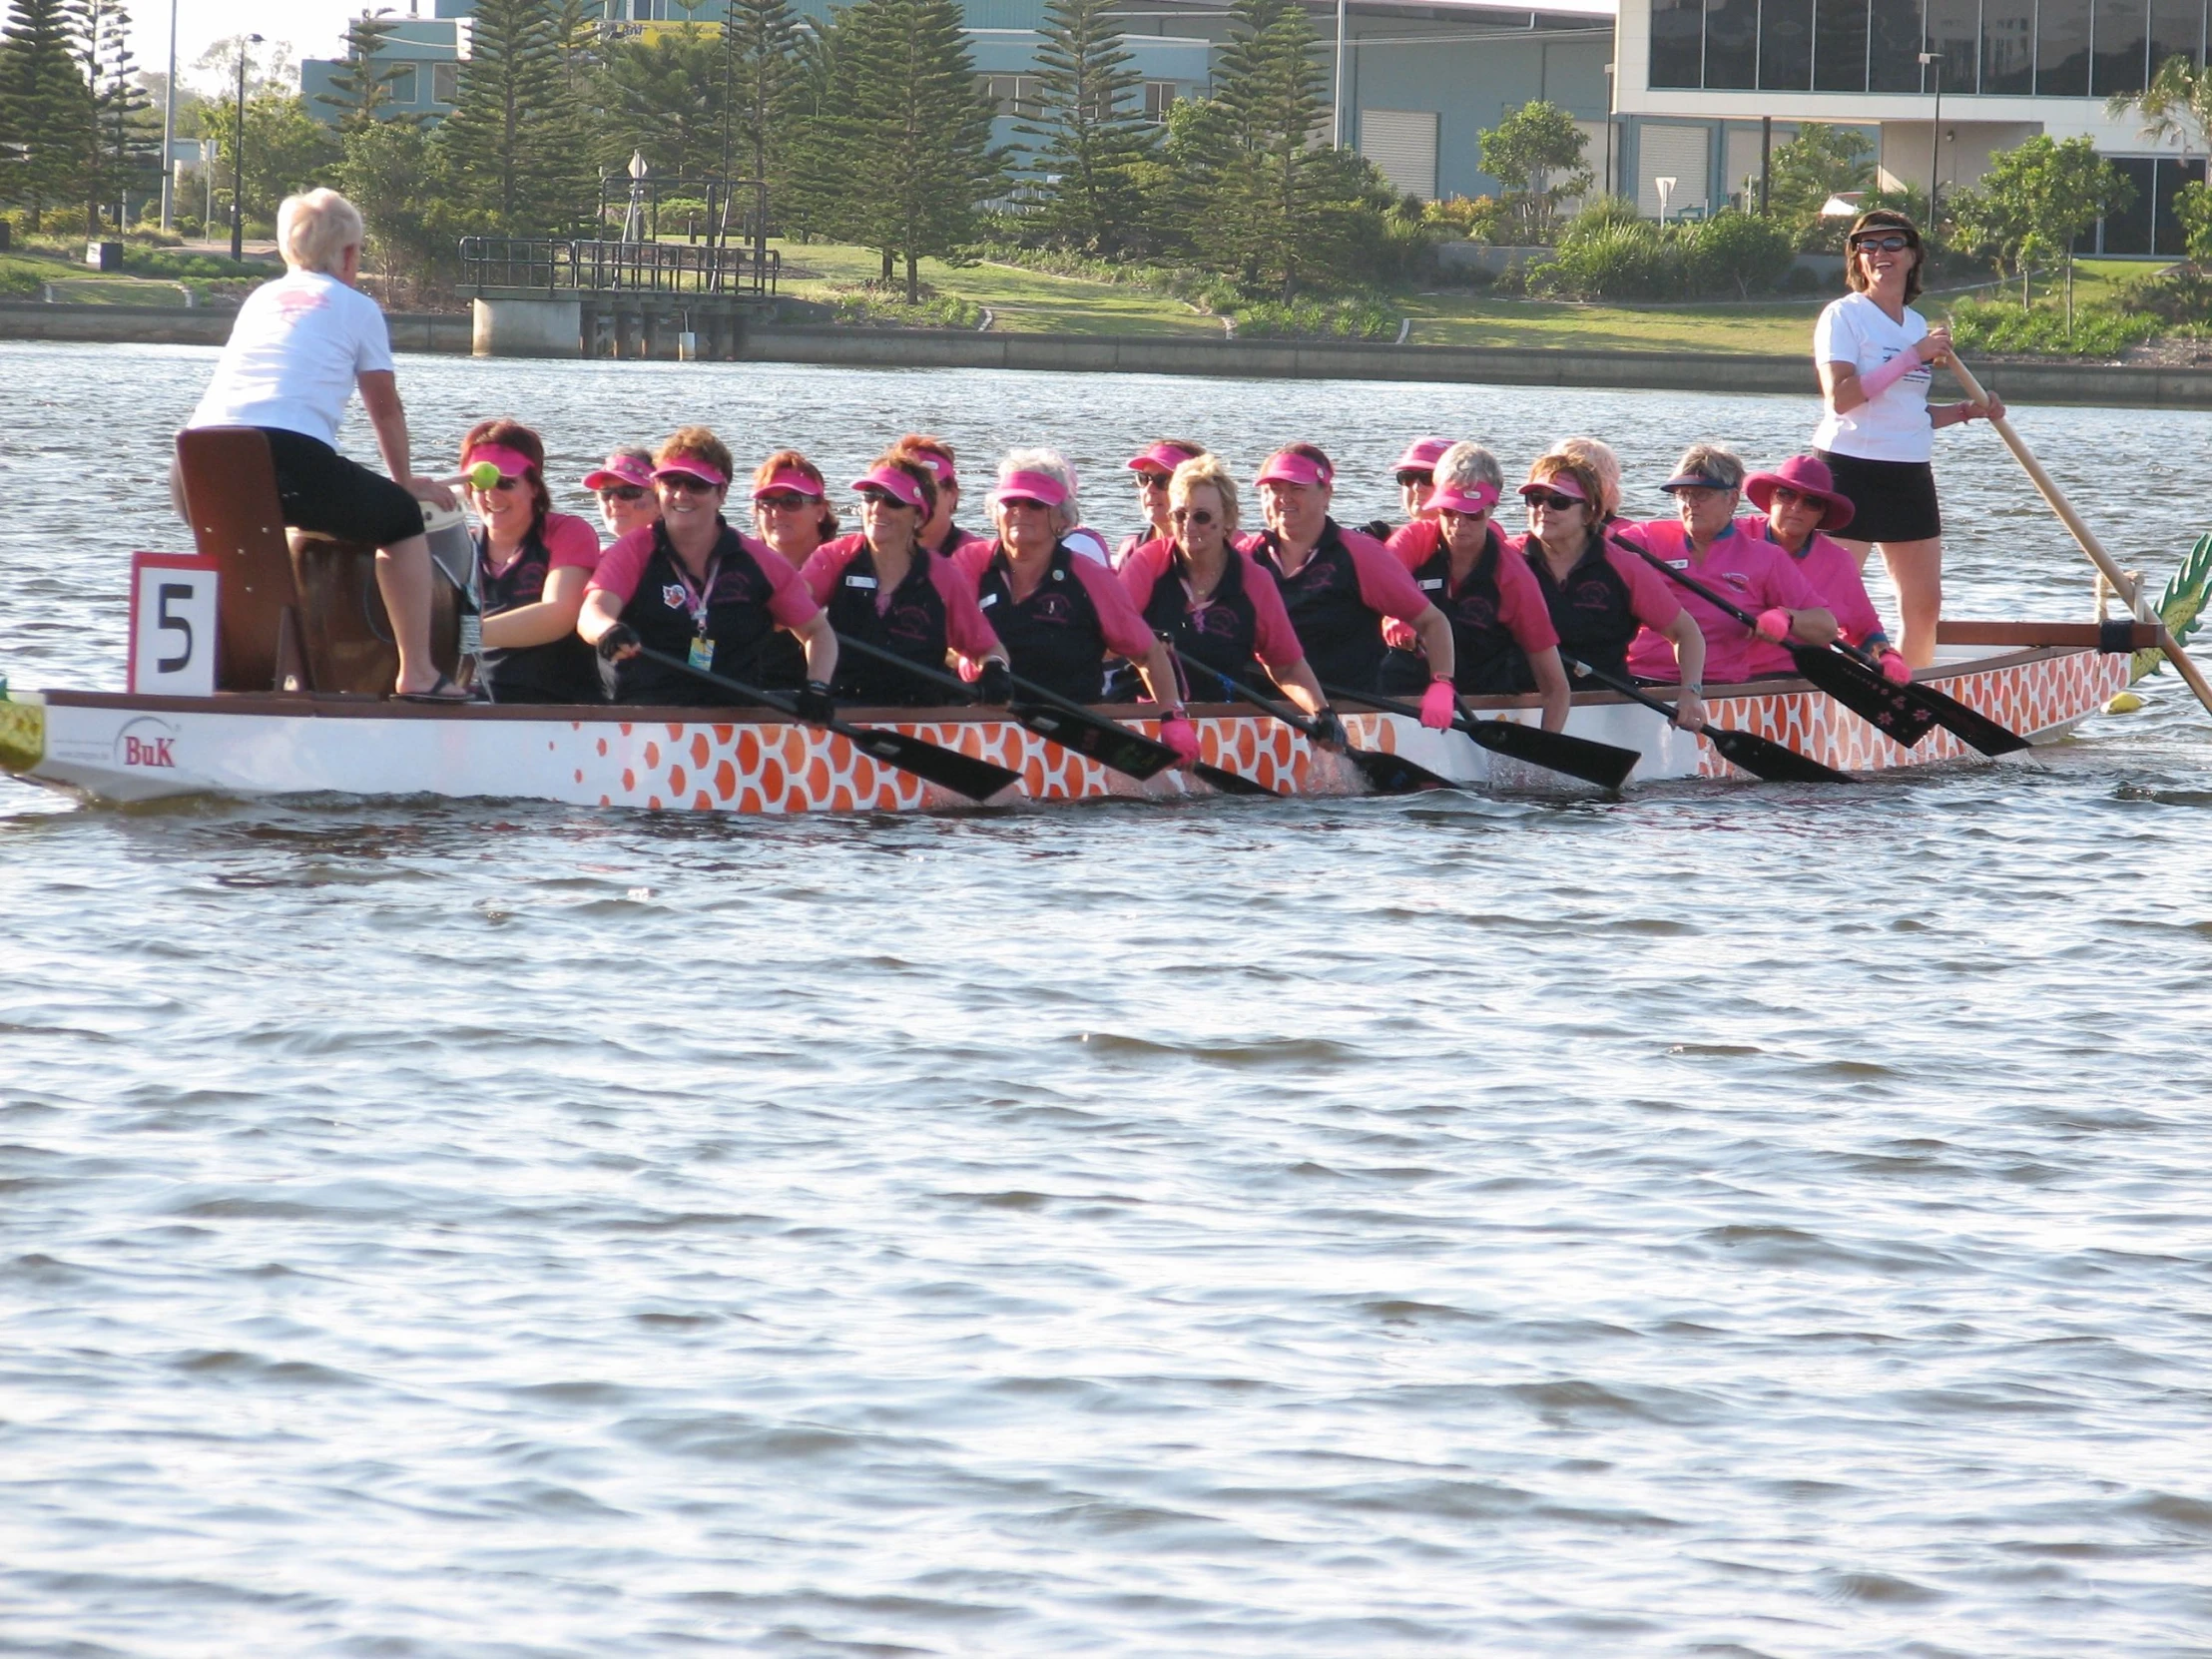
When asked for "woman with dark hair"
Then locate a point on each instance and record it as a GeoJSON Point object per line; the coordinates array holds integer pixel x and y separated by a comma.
{"type": "Point", "coordinates": [1153, 468]}
{"type": "Point", "coordinates": [884, 587]}
{"type": "Point", "coordinates": [1875, 354]}
{"type": "Point", "coordinates": [791, 516]}
{"type": "Point", "coordinates": [531, 567]}
{"type": "Point", "coordinates": [940, 535]}
{"type": "Point", "coordinates": [623, 484]}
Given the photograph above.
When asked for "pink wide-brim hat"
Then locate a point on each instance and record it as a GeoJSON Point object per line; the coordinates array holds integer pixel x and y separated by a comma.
{"type": "Point", "coordinates": [619, 470]}
{"type": "Point", "coordinates": [1809, 476]}
{"type": "Point", "coordinates": [1421, 455]}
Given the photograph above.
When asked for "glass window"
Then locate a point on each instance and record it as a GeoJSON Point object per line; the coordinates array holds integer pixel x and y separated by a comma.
{"type": "Point", "coordinates": [2168, 235]}
{"type": "Point", "coordinates": [2176, 30]}
{"type": "Point", "coordinates": [2008, 46]}
{"type": "Point", "coordinates": [2128, 232]}
{"type": "Point", "coordinates": [1159, 98]}
{"type": "Point", "coordinates": [1894, 55]}
{"type": "Point", "coordinates": [400, 89]}
{"type": "Point", "coordinates": [1677, 43]}
{"type": "Point", "coordinates": [445, 83]}
{"type": "Point", "coordinates": [1840, 46]}
{"type": "Point", "coordinates": [2062, 48]}
{"type": "Point", "coordinates": [2122, 35]}
{"type": "Point", "coordinates": [1786, 45]}
{"type": "Point", "coordinates": [1732, 43]}
{"type": "Point", "coordinates": [1952, 27]}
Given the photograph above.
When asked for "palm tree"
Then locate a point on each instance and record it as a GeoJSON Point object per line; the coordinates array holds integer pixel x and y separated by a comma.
{"type": "Point", "coordinates": [2176, 104]}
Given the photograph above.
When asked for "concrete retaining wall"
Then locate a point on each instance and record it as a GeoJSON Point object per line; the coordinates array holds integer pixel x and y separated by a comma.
{"type": "Point", "coordinates": [2127, 388]}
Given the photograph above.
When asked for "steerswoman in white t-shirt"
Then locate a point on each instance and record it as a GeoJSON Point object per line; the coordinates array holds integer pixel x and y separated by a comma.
{"type": "Point", "coordinates": [1894, 425]}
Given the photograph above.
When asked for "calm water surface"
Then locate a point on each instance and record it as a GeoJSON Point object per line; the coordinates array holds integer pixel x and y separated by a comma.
{"type": "Point", "coordinates": [1730, 1221]}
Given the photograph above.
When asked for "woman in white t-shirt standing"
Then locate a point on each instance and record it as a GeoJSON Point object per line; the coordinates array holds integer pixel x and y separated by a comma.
{"type": "Point", "coordinates": [1875, 353]}
{"type": "Point", "coordinates": [299, 349]}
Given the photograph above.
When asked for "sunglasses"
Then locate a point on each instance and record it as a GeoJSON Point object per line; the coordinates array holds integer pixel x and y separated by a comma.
{"type": "Point", "coordinates": [784, 501]}
{"type": "Point", "coordinates": [1887, 245]}
{"type": "Point", "coordinates": [499, 484]}
{"type": "Point", "coordinates": [1152, 480]}
{"type": "Point", "coordinates": [1022, 503]}
{"type": "Point", "coordinates": [1784, 496]}
{"type": "Point", "coordinates": [1191, 515]}
{"type": "Point", "coordinates": [1409, 479]}
{"type": "Point", "coordinates": [872, 497]}
{"type": "Point", "coordinates": [1552, 501]}
{"type": "Point", "coordinates": [688, 481]}
{"type": "Point", "coordinates": [622, 492]}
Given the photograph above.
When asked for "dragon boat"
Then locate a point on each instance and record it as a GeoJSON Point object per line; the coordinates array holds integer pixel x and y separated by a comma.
{"type": "Point", "coordinates": [255, 662]}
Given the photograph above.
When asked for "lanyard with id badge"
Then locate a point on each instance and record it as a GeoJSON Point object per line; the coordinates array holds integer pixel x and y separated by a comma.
{"type": "Point", "coordinates": [694, 599]}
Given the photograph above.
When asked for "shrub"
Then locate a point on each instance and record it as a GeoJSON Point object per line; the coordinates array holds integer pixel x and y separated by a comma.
{"type": "Point", "coordinates": [2181, 294]}
{"type": "Point", "coordinates": [1613, 262]}
{"type": "Point", "coordinates": [1360, 317]}
{"type": "Point", "coordinates": [1992, 325]}
{"type": "Point", "coordinates": [887, 308]}
{"type": "Point", "coordinates": [1736, 250]}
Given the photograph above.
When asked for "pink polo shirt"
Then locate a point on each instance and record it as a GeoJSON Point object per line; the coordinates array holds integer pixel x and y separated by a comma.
{"type": "Point", "coordinates": [1745, 568]}
{"type": "Point", "coordinates": [1833, 569]}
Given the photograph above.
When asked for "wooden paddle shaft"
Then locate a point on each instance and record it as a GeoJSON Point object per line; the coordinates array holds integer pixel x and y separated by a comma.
{"type": "Point", "coordinates": [2087, 537]}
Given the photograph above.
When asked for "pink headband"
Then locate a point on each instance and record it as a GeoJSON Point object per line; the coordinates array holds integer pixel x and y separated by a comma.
{"type": "Point", "coordinates": [893, 484]}
{"type": "Point", "coordinates": [683, 467]}
{"type": "Point", "coordinates": [1421, 455]}
{"type": "Point", "coordinates": [620, 469]}
{"type": "Point", "coordinates": [789, 478]}
{"type": "Point", "coordinates": [1481, 499]}
{"type": "Point", "coordinates": [512, 463]}
{"type": "Point", "coordinates": [1287, 466]}
{"type": "Point", "coordinates": [1163, 457]}
{"type": "Point", "coordinates": [1030, 487]}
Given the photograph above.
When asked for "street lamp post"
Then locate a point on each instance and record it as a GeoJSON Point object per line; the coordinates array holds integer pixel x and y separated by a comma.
{"type": "Point", "coordinates": [1609, 119]}
{"type": "Point", "coordinates": [238, 159]}
{"type": "Point", "coordinates": [168, 127]}
{"type": "Point", "coordinates": [1934, 61]}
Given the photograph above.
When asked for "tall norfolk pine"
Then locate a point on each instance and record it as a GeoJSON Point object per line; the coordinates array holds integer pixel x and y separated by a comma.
{"type": "Point", "coordinates": [45, 106]}
{"type": "Point", "coordinates": [517, 143]}
{"type": "Point", "coordinates": [1092, 122]}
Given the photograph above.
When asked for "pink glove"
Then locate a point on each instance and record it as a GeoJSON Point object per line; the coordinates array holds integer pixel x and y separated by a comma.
{"type": "Point", "coordinates": [1877, 380]}
{"type": "Point", "coordinates": [1438, 705]}
{"type": "Point", "coordinates": [1773, 625]}
{"type": "Point", "coordinates": [1895, 669]}
{"type": "Point", "coordinates": [971, 669]}
{"type": "Point", "coordinates": [1179, 735]}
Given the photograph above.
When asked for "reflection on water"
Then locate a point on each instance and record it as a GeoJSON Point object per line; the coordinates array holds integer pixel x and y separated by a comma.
{"type": "Point", "coordinates": [1727, 1221]}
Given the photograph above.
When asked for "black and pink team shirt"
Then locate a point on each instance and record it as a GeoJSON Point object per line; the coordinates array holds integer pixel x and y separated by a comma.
{"type": "Point", "coordinates": [932, 611]}
{"type": "Point", "coordinates": [1499, 614]}
{"type": "Point", "coordinates": [558, 671]}
{"type": "Point", "coordinates": [1338, 598]}
{"type": "Point", "coordinates": [1242, 621]}
{"type": "Point", "coordinates": [1061, 635]}
{"type": "Point", "coordinates": [750, 592]}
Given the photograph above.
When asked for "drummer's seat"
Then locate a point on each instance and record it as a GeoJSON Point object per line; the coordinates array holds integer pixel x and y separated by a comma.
{"type": "Point", "coordinates": [228, 486]}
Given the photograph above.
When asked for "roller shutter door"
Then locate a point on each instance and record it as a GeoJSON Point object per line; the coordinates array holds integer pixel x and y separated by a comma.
{"type": "Point", "coordinates": [1679, 153]}
{"type": "Point", "coordinates": [1403, 143]}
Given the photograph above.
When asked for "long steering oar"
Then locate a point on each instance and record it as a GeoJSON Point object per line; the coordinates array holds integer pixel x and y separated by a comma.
{"type": "Point", "coordinates": [948, 768]}
{"type": "Point", "coordinates": [1070, 725]}
{"type": "Point", "coordinates": [1602, 764]}
{"type": "Point", "coordinates": [1904, 713]}
{"type": "Point", "coordinates": [2083, 534]}
{"type": "Point", "coordinates": [1756, 755]}
{"type": "Point", "coordinates": [1384, 774]}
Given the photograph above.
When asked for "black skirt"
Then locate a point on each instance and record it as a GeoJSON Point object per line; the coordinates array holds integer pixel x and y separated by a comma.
{"type": "Point", "coordinates": [1891, 501]}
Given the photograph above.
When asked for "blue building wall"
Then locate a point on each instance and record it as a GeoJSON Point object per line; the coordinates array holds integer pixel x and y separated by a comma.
{"type": "Point", "coordinates": [418, 43]}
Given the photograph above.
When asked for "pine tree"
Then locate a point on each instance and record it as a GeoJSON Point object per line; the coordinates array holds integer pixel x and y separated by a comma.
{"type": "Point", "coordinates": [760, 72]}
{"type": "Point", "coordinates": [664, 100]}
{"type": "Point", "coordinates": [514, 143]}
{"type": "Point", "coordinates": [125, 148]}
{"type": "Point", "coordinates": [46, 102]}
{"type": "Point", "coordinates": [1093, 127]}
{"type": "Point", "coordinates": [905, 149]}
{"type": "Point", "coordinates": [363, 85]}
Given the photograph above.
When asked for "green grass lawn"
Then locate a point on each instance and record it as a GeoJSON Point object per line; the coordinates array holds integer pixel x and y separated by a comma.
{"type": "Point", "coordinates": [1784, 328]}
{"type": "Point", "coordinates": [1021, 302]}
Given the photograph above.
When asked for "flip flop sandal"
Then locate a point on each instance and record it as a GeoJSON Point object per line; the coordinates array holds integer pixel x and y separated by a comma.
{"type": "Point", "coordinates": [443, 692]}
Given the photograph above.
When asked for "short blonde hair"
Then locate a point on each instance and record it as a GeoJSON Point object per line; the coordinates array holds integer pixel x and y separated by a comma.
{"type": "Point", "coordinates": [1598, 459]}
{"type": "Point", "coordinates": [1069, 513]}
{"type": "Point", "coordinates": [1202, 469]}
{"type": "Point", "coordinates": [1709, 460]}
{"type": "Point", "coordinates": [1465, 465]}
{"type": "Point", "coordinates": [315, 229]}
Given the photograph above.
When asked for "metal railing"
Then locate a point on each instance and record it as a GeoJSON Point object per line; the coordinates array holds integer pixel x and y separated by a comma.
{"type": "Point", "coordinates": [560, 265]}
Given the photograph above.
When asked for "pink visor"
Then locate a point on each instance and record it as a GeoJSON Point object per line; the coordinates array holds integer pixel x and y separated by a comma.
{"type": "Point", "coordinates": [1560, 483]}
{"type": "Point", "coordinates": [1421, 455]}
{"type": "Point", "coordinates": [1030, 487]}
{"type": "Point", "coordinates": [1162, 457]}
{"type": "Point", "coordinates": [1286, 467]}
{"type": "Point", "coordinates": [790, 480]}
{"type": "Point", "coordinates": [893, 484]}
{"type": "Point", "coordinates": [683, 467]}
{"type": "Point", "coordinates": [620, 470]}
{"type": "Point", "coordinates": [1481, 499]}
{"type": "Point", "coordinates": [512, 463]}
{"type": "Point", "coordinates": [936, 463]}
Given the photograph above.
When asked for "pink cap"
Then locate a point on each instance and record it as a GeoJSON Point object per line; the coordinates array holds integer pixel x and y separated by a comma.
{"type": "Point", "coordinates": [683, 466]}
{"type": "Point", "coordinates": [618, 471]}
{"type": "Point", "coordinates": [893, 484]}
{"type": "Point", "coordinates": [1287, 466]}
{"type": "Point", "coordinates": [1030, 487]}
{"type": "Point", "coordinates": [1421, 455]}
{"type": "Point", "coordinates": [1481, 499]}
{"type": "Point", "coordinates": [512, 463]}
{"type": "Point", "coordinates": [1560, 483]}
{"type": "Point", "coordinates": [789, 479]}
{"type": "Point", "coordinates": [936, 462]}
{"type": "Point", "coordinates": [1162, 457]}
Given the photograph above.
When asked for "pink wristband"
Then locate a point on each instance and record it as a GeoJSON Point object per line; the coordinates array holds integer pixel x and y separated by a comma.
{"type": "Point", "coordinates": [1876, 381]}
{"type": "Point", "coordinates": [1774, 624]}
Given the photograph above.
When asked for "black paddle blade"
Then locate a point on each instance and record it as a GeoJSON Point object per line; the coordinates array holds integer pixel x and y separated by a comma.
{"type": "Point", "coordinates": [1393, 774]}
{"type": "Point", "coordinates": [1230, 782]}
{"type": "Point", "coordinates": [1889, 708]}
{"type": "Point", "coordinates": [947, 768]}
{"type": "Point", "coordinates": [1764, 758]}
{"type": "Point", "coordinates": [1603, 764]}
{"type": "Point", "coordinates": [1974, 730]}
{"type": "Point", "coordinates": [1107, 741]}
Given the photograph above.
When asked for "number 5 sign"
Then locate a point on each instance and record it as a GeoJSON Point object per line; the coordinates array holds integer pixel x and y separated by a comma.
{"type": "Point", "coordinates": [173, 624]}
